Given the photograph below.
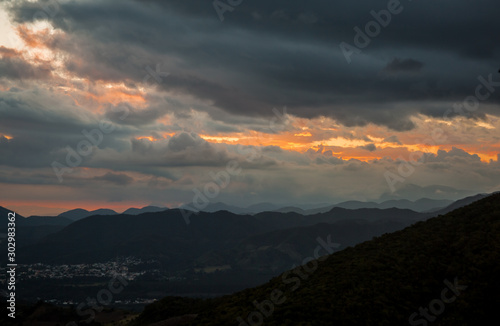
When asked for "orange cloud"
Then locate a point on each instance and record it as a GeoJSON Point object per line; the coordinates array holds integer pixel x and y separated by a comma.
{"type": "Point", "coordinates": [148, 138]}
{"type": "Point", "coordinates": [31, 38]}
{"type": "Point", "coordinates": [118, 95]}
{"type": "Point", "coordinates": [303, 134]}
{"type": "Point", "coordinates": [323, 134]}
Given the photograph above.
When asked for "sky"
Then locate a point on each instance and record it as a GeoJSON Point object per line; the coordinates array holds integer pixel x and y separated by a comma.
{"type": "Point", "coordinates": [125, 103]}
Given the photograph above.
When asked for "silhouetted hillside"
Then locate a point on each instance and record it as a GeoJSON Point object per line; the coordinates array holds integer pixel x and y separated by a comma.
{"type": "Point", "coordinates": [461, 203]}
{"type": "Point", "coordinates": [443, 270]}
{"type": "Point", "coordinates": [277, 250]}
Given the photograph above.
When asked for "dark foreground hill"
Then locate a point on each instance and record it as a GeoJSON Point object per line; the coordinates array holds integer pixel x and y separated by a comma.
{"type": "Point", "coordinates": [443, 271]}
{"type": "Point", "coordinates": [216, 253]}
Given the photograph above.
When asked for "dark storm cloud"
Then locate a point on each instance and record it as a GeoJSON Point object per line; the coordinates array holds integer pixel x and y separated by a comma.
{"type": "Point", "coordinates": [36, 132]}
{"type": "Point", "coordinates": [274, 53]}
{"type": "Point", "coordinates": [27, 151]}
{"type": "Point", "coordinates": [182, 150]}
{"type": "Point", "coordinates": [126, 114]}
{"type": "Point", "coordinates": [405, 65]}
{"type": "Point", "coordinates": [43, 126]}
{"type": "Point", "coordinates": [369, 147]}
{"type": "Point", "coordinates": [18, 68]}
{"type": "Point", "coordinates": [453, 155]}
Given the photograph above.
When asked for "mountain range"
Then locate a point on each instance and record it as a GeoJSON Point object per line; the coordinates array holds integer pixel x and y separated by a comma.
{"type": "Point", "coordinates": [421, 205]}
{"type": "Point", "coordinates": [368, 266]}
{"type": "Point", "coordinates": [443, 271]}
{"type": "Point", "coordinates": [221, 235]}
{"type": "Point", "coordinates": [80, 213]}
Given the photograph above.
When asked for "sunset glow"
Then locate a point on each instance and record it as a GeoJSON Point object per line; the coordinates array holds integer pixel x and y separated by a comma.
{"type": "Point", "coordinates": [174, 115]}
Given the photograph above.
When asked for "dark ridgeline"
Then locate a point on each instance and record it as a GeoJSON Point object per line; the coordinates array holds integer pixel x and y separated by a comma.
{"type": "Point", "coordinates": [379, 282]}
{"type": "Point", "coordinates": [166, 236]}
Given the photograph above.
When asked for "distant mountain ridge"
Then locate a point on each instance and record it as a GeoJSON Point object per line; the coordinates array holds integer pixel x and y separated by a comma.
{"type": "Point", "coordinates": [37, 227]}
{"type": "Point", "coordinates": [79, 213]}
{"type": "Point", "coordinates": [444, 270]}
{"type": "Point", "coordinates": [421, 205]}
{"type": "Point", "coordinates": [219, 206]}
{"type": "Point", "coordinates": [147, 209]}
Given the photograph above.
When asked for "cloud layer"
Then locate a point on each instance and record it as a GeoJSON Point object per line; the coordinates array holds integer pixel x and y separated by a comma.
{"type": "Point", "coordinates": [183, 94]}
